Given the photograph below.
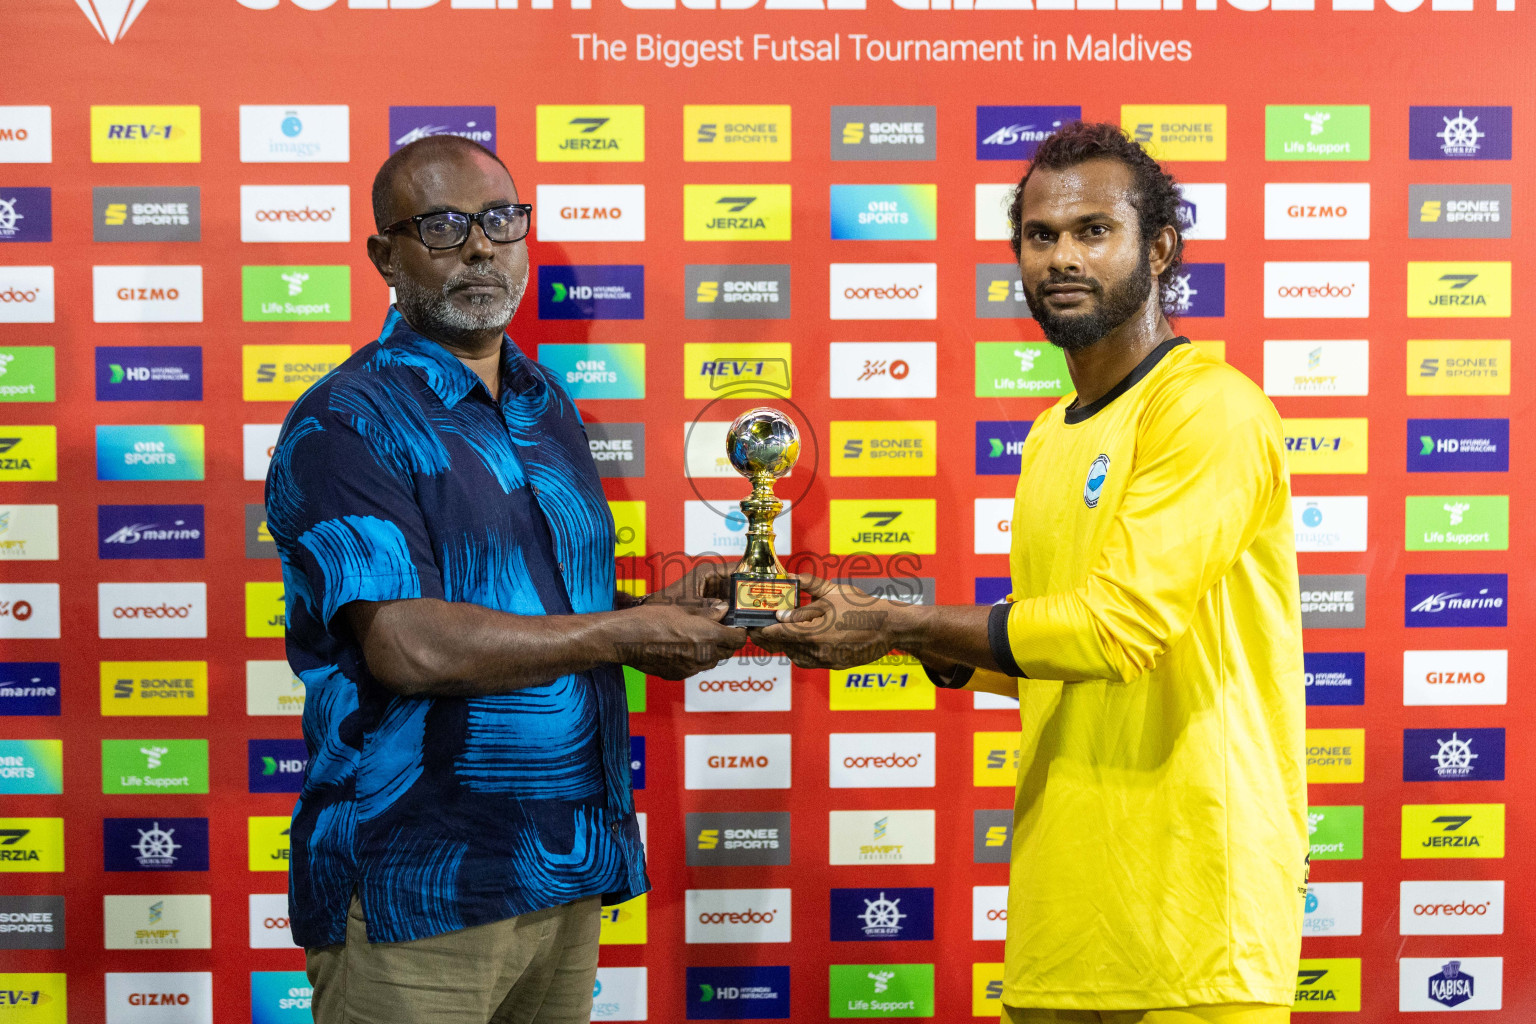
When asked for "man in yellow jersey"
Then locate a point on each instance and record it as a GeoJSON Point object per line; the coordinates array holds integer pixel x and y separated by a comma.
{"type": "Point", "coordinates": [1153, 636]}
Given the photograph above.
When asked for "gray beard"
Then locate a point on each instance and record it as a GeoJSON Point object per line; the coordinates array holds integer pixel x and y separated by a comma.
{"type": "Point", "coordinates": [435, 315]}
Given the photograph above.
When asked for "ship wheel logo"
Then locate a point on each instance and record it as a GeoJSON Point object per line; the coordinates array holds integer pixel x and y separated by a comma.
{"type": "Point", "coordinates": [1455, 757]}
{"type": "Point", "coordinates": [156, 847]}
{"type": "Point", "coordinates": [882, 917]}
{"type": "Point", "coordinates": [1460, 135]}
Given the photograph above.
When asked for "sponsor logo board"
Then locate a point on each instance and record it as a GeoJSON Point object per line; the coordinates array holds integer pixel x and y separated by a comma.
{"type": "Point", "coordinates": [29, 688]}
{"type": "Point", "coordinates": [597, 371]}
{"type": "Point", "coordinates": [1203, 211]}
{"type": "Point", "coordinates": [991, 835]}
{"type": "Point", "coordinates": [29, 922]}
{"type": "Point", "coordinates": [317, 134]}
{"type": "Point", "coordinates": [1000, 293]}
{"type": "Point", "coordinates": [618, 993]}
{"type": "Point", "coordinates": [884, 447]}
{"type": "Point", "coordinates": [736, 915]}
{"type": "Point", "coordinates": [1455, 678]}
{"type": "Point", "coordinates": [29, 533]}
{"type": "Point", "coordinates": [1178, 131]}
{"type": "Point", "coordinates": [880, 990]}
{"type": "Point", "coordinates": [1020, 369]}
{"type": "Point", "coordinates": [149, 531]}
{"type": "Point", "coordinates": [267, 842]}
{"type": "Point", "coordinates": [29, 611]}
{"type": "Point", "coordinates": [736, 291]}
{"type": "Point", "coordinates": [1336, 833]}
{"type": "Point", "coordinates": [27, 373]}
{"type": "Point", "coordinates": [1327, 986]}
{"type": "Point", "coordinates": [896, 682]}
{"type": "Point", "coordinates": [26, 135]}
{"type": "Point", "coordinates": [1327, 445]}
{"type": "Point", "coordinates": [28, 453]}
{"type": "Point", "coordinates": [883, 526]}
{"type": "Point", "coordinates": [1460, 133]}
{"type": "Point", "coordinates": [713, 133]}
{"type": "Point", "coordinates": [992, 202]}
{"type": "Point", "coordinates": [883, 369]}
{"type": "Point", "coordinates": [1330, 523]}
{"type": "Point", "coordinates": [31, 767]}
{"type": "Point", "coordinates": [158, 922]}
{"type": "Point", "coordinates": [884, 133]}
{"type": "Point", "coordinates": [736, 213]}
{"type": "Point", "coordinates": [881, 915]}
{"type": "Point", "coordinates": [737, 993]}
{"type": "Point", "coordinates": [271, 688]}
{"type": "Point", "coordinates": [993, 526]}
{"type": "Point", "coordinates": [995, 758]}
{"type": "Point", "coordinates": [1317, 367]}
{"type": "Point", "coordinates": [147, 295]}
{"type": "Point", "coordinates": [1317, 210]}
{"type": "Point", "coordinates": [715, 369]}
{"type": "Point", "coordinates": [1333, 601]}
{"type": "Point", "coordinates": [881, 837]}
{"type": "Point", "coordinates": [592, 292]}
{"type": "Point", "coordinates": [1458, 446]}
{"type": "Point", "coordinates": [155, 844]}
{"type": "Point", "coordinates": [1000, 446]}
{"type": "Point", "coordinates": [409, 124]}
{"type": "Point", "coordinates": [149, 452]}
{"type": "Point", "coordinates": [720, 839]}
{"type": "Point", "coordinates": [31, 844]}
{"type": "Point", "coordinates": [883, 291]}
{"type": "Point", "coordinates": [258, 539]}
{"type": "Point", "coordinates": [295, 294]}
{"type": "Point", "coordinates": [1469, 983]}
{"type": "Point", "coordinates": [1334, 678]}
{"type": "Point", "coordinates": [295, 213]}
{"type": "Point", "coordinates": [1335, 755]}
{"type": "Point", "coordinates": [26, 214]}
{"type": "Point", "coordinates": [146, 135]}
{"type": "Point", "coordinates": [1458, 367]}
{"type": "Point", "coordinates": [1460, 755]}
{"type": "Point", "coordinates": [154, 766]}
{"type": "Point", "coordinates": [590, 213]}
{"type": "Point", "coordinates": [146, 214]}
{"type": "Point", "coordinates": [1452, 831]}
{"type": "Point", "coordinates": [281, 373]}
{"type": "Point", "coordinates": [1451, 908]}
{"type": "Point", "coordinates": [884, 212]}
{"type": "Point", "coordinates": [282, 997]}
{"type": "Point", "coordinates": [989, 913]}
{"type": "Point", "coordinates": [164, 997]}
{"type": "Point", "coordinates": [1459, 211]}
{"type": "Point", "coordinates": [275, 766]}
{"type": "Point", "coordinates": [626, 924]}
{"type": "Point", "coordinates": [26, 295]}
{"type": "Point", "coordinates": [1455, 599]}
{"type": "Point", "coordinates": [258, 440]}
{"type": "Point", "coordinates": [1472, 522]}
{"type": "Point", "coordinates": [160, 373]}
{"type": "Point", "coordinates": [881, 760]}
{"type": "Point", "coordinates": [1313, 132]}
{"type": "Point", "coordinates": [706, 531]}
{"type": "Point", "coordinates": [749, 761]}
{"type": "Point", "coordinates": [1459, 289]}
{"type": "Point", "coordinates": [618, 449]}
{"type": "Point", "coordinates": [139, 688]}
{"type": "Point", "coordinates": [740, 684]}
{"type": "Point", "coordinates": [1317, 290]}
{"type": "Point", "coordinates": [1014, 133]}
{"type": "Point", "coordinates": [590, 134]}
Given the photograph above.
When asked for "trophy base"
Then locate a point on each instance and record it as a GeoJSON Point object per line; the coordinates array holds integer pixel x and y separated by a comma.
{"type": "Point", "coordinates": [756, 601]}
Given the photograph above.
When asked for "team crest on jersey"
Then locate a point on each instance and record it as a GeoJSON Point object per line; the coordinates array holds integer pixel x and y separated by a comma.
{"type": "Point", "coordinates": [1093, 487]}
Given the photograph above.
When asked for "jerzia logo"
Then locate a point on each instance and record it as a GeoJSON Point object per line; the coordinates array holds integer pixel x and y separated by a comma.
{"type": "Point", "coordinates": [112, 18]}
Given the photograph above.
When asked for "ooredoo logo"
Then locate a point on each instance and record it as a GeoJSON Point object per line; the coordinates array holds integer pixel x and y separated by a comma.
{"type": "Point", "coordinates": [26, 295]}
{"type": "Point", "coordinates": [590, 213]}
{"type": "Point", "coordinates": [874, 760]}
{"type": "Point", "coordinates": [156, 610]}
{"type": "Point", "coordinates": [752, 761]}
{"type": "Point", "coordinates": [1451, 908]}
{"type": "Point", "coordinates": [884, 291]}
{"type": "Point", "coordinates": [296, 216]}
{"type": "Point", "coordinates": [737, 915]}
{"type": "Point", "coordinates": [740, 684]}
{"type": "Point", "coordinates": [295, 213]}
{"type": "Point", "coordinates": [1317, 290]}
{"type": "Point", "coordinates": [269, 924]}
{"type": "Point", "coordinates": [989, 912]}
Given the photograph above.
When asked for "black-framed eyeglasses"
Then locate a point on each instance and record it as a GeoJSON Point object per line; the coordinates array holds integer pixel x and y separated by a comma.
{"type": "Point", "coordinates": [449, 229]}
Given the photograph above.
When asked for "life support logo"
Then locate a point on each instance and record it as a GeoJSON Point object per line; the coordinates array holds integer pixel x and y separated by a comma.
{"type": "Point", "coordinates": [1093, 486]}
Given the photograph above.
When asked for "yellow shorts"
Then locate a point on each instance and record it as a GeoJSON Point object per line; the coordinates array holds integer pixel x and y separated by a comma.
{"type": "Point", "coordinates": [1229, 1013]}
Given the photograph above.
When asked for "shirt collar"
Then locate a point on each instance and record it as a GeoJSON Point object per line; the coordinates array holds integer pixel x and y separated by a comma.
{"type": "Point", "coordinates": [442, 371]}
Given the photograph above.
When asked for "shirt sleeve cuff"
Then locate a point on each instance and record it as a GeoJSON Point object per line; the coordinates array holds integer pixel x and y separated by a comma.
{"type": "Point", "coordinates": [954, 679]}
{"type": "Point", "coordinates": [997, 639]}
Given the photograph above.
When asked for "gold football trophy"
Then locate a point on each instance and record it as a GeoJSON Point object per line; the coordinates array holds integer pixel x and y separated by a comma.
{"type": "Point", "coordinates": [762, 445]}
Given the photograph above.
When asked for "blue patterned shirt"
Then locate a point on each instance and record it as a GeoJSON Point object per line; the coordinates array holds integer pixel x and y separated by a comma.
{"type": "Point", "coordinates": [398, 476]}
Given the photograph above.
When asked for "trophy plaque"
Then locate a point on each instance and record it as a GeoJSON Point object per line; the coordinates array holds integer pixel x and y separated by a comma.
{"type": "Point", "coordinates": [762, 445]}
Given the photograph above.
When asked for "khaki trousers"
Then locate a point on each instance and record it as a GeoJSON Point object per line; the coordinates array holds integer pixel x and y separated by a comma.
{"type": "Point", "coordinates": [536, 968]}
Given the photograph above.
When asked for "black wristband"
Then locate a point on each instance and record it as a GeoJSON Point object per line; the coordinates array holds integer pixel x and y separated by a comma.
{"type": "Point", "coordinates": [997, 639]}
{"type": "Point", "coordinates": [956, 680]}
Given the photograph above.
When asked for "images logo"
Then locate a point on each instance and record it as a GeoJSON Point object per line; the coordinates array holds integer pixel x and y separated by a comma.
{"type": "Point", "coordinates": [737, 993]}
{"type": "Point", "coordinates": [1328, 986]}
{"type": "Point", "coordinates": [155, 844]}
{"type": "Point", "coordinates": [736, 213]}
{"type": "Point", "coordinates": [149, 531]}
{"type": "Point", "coordinates": [408, 124]}
{"type": "Point", "coordinates": [750, 761]}
{"type": "Point", "coordinates": [864, 915]}
{"type": "Point", "coordinates": [590, 213]}
{"type": "Point", "coordinates": [26, 215]}
{"type": "Point", "coordinates": [144, 295]}
{"type": "Point", "coordinates": [1334, 601]}
{"type": "Point", "coordinates": [1327, 445]}
{"type": "Point", "coordinates": [1458, 446]}
{"type": "Point", "coordinates": [880, 990]}
{"type": "Point", "coordinates": [281, 373]}
{"type": "Point", "coordinates": [29, 688]}
{"type": "Point", "coordinates": [890, 369]}
{"type": "Point", "coordinates": [296, 294]}
{"type": "Point", "coordinates": [1020, 369]}
{"type": "Point", "coordinates": [1459, 289]}
{"type": "Point", "coordinates": [29, 533]}
{"type": "Point", "coordinates": [883, 526]}
{"type": "Point", "coordinates": [1451, 908]}
{"type": "Point", "coordinates": [706, 531]}
{"type": "Point", "coordinates": [1321, 210]}
{"type": "Point", "coordinates": [1317, 133]}
{"type": "Point", "coordinates": [1453, 830]}
{"type": "Point", "coordinates": [1458, 211]}
{"type": "Point", "coordinates": [1460, 133]}
{"type": "Point", "coordinates": [154, 688]}
{"type": "Point", "coordinates": [29, 611]}
{"type": "Point", "coordinates": [292, 135]}
{"type": "Point", "coordinates": [596, 371]}
{"type": "Point", "coordinates": [597, 134]}
{"type": "Point", "coordinates": [712, 369]}
{"type": "Point", "coordinates": [1317, 290]}
{"type": "Point", "coordinates": [149, 452]}
{"type": "Point", "coordinates": [1178, 131]}
{"type": "Point", "coordinates": [1430, 755]}
{"type": "Point", "coordinates": [1317, 367]}
{"type": "Point", "coordinates": [1331, 523]}
{"type": "Point", "coordinates": [884, 133]}
{"type": "Point", "coordinates": [26, 135]}
{"type": "Point", "coordinates": [158, 373]}
{"type": "Point", "coordinates": [1457, 523]}
{"type": "Point", "coordinates": [884, 447]}
{"type": "Point", "coordinates": [736, 915]}
{"type": "Point", "coordinates": [145, 214]}
{"type": "Point", "coordinates": [26, 295]}
{"type": "Point", "coordinates": [1455, 678]}
{"type": "Point", "coordinates": [884, 212]}
{"type": "Point", "coordinates": [1014, 133]}
{"type": "Point", "coordinates": [736, 292]}
{"type": "Point", "coordinates": [1334, 679]}
{"type": "Point", "coordinates": [154, 766]}
{"type": "Point", "coordinates": [1000, 293]}
{"type": "Point", "coordinates": [295, 213]}
{"type": "Point", "coordinates": [595, 292]}
{"type": "Point", "coordinates": [748, 133]}
{"type": "Point", "coordinates": [146, 135]}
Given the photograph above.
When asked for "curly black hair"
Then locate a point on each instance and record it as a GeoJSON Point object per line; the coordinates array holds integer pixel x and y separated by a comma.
{"type": "Point", "coordinates": [1155, 194]}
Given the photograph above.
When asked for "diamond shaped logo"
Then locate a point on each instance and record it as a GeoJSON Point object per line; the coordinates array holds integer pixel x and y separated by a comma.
{"type": "Point", "coordinates": [111, 18]}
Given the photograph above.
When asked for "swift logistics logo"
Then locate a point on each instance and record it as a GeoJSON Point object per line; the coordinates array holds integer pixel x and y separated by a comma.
{"type": "Point", "coordinates": [1458, 446]}
{"type": "Point", "coordinates": [27, 373]}
{"type": "Point", "coordinates": [1000, 293]}
{"type": "Point", "coordinates": [1327, 445]}
{"type": "Point", "coordinates": [26, 214]}
{"type": "Point", "coordinates": [1460, 133]}
{"type": "Point", "coordinates": [1455, 678]}
{"type": "Point", "coordinates": [29, 688]}
{"type": "Point", "coordinates": [146, 214]}
{"type": "Point", "coordinates": [290, 294]}
{"type": "Point", "coordinates": [157, 922]}
{"type": "Point", "coordinates": [881, 837]}
{"type": "Point", "coordinates": [881, 915]}
{"type": "Point", "coordinates": [26, 135]}
{"type": "Point", "coordinates": [590, 213]}
{"type": "Point", "coordinates": [592, 134]}
{"type": "Point", "coordinates": [880, 990]}
{"type": "Point", "coordinates": [1448, 522]}
{"type": "Point", "coordinates": [1335, 755]}
{"type": "Point", "coordinates": [883, 525]}
{"type": "Point", "coordinates": [271, 688]}
{"type": "Point", "coordinates": [884, 212]}
{"type": "Point", "coordinates": [1334, 679]}
{"type": "Point", "coordinates": [736, 134]}
{"type": "Point", "coordinates": [154, 766]}
{"type": "Point", "coordinates": [296, 134]}
{"type": "Point", "coordinates": [736, 213]}
{"type": "Point", "coordinates": [1178, 131]}
{"type": "Point", "coordinates": [29, 922]}
{"type": "Point", "coordinates": [592, 292]}
{"type": "Point", "coordinates": [716, 291]}
{"type": "Point", "coordinates": [1462, 755]}
{"type": "Point", "coordinates": [146, 135]}
{"type": "Point", "coordinates": [276, 766]}
{"type": "Point", "coordinates": [1336, 833]}
{"type": "Point", "coordinates": [884, 133]}
{"type": "Point", "coordinates": [1317, 132]}
{"type": "Point", "coordinates": [740, 838]}
{"type": "Point", "coordinates": [149, 452]}
{"type": "Point", "coordinates": [597, 371]}
{"type": "Point", "coordinates": [1332, 523]}
{"type": "Point", "coordinates": [1328, 986]}
{"type": "Point", "coordinates": [1014, 133]}
{"type": "Point", "coordinates": [155, 844]}
{"type": "Point", "coordinates": [409, 124]}
{"type": "Point", "coordinates": [737, 993]}
{"type": "Point", "coordinates": [29, 533]}
{"type": "Point", "coordinates": [295, 213]}
{"type": "Point", "coordinates": [1317, 210]}
{"type": "Point", "coordinates": [1459, 289]}
{"type": "Point", "coordinates": [1020, 369]}
{"type": "Point", "coordinates": [281, 373]}
{"type": "Point", "coordinates": [1457, 367]}
{"type": "Point", "coordinates": [149, 373]}
{"type": "Point", "coordinates": [1459, 211]}
{"type": "Point", "coordinates": [1435, 831]}
{"type": "Point", "coordinates": [149, 531]}
{"type": "Point", "coordinates": [1451, 908]}
{"type": "Point", "coordinates": [884, 448]}
{"type": "Point", "coordinates": [138, 688]}
{"type": "Point", "coordinates": [31, 766]}
{"type": "Point", "coordinates": [1455, 600]}
{"type": "Point", "coordinates": [26, 295]}
{"type": "Point", "coordinates": [147, 294]}
{"type": "Point", "coordinates": [713, 369]}
{"type": "Point", "coordinates": [32, 844]}
{"type": "Point", "coordinates": [1317, 367]}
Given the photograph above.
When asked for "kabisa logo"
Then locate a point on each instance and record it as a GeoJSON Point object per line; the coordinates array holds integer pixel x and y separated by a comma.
{"type": "Point", "coordinates": [1459, 211]}
{"type": "Point", "coordinates": [736, 291]}
{"type": "Point", "coordinates": [1458, 446]}
{"type": "Point", "coordinates": [26, 215]}
{"type": "Point", "coordinates": [602, 134]}
{"type": "Point", "coordinates": [747, 133]}
{"type": "Point", "coordinates": [594, 292]}
{"type": "Point", "coordinates": [1459, 289]}
{"type": "Point", "coordinates": [1451, 986]}
{"type": "Point", "coordinates": [736, 213]}
{"type": "Point", "coordinates": [884, 133]}
{"type": "Point", "coordinates": [859, 915]}
{"type": "Point", "coordinates": [884, 212]}
{"type": "Point", "coordinates": [1334, 679]}
{"type": "Point", "coordinates": [1452, 830]}
{"type": "Point", "coordinates": [1317, 132]}
{"type": "Point", "coordinates": [146, 214]}
{"type": "Point", "coordinates": [1093, 486]}
{"type": "Point", "coordinates": [590, 213]}
{"type": "Point", "coordinates": [146, 135]}
{"type": "Point", "coordinates": [883, 291]}
{"type": "Point", "coordinates": [149, 531]}
{"type": "Point", "coordinates": [171, 452]}
{"type": "Point", "coordinates": [158, 373]}
{"type": "Point", "coordinates": [737, 993]}
{"type": "Point", "coordinates": [299, 134]}
{"type": "Point", "coordinates": [276, 766]}
{"type": "Point", "coordinates": [1460, 133]}
{"type": "Point", "coordinates": [1014, 133]}
{"type": "Point", "coordinates": [410, 124]}
{"type": "Point", "coordinates": [736, 915]}
{"type": "Point", "coordinates": [1429, 755]}
{"type": "Point", "coordinates": [29, 688]}
{"type": "Point", "coordinates": [155, 844]}
{"type": "Point", "coordinates": [1178, 131]}
{"type": "Point", "coordinates": [112, 18]}
{"type": "Point", "coordinates": [295, 213]}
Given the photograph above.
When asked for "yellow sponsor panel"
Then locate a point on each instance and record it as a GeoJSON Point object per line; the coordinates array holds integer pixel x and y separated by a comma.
{"type": "Point", "coordinates": [34, 999]}
{"type": "Point", "coordinates": [883, 526]}
{"type": "Point", "coordinates": [1452, 830]}
{"type": "Point", "coordinates": [987, 990]}
{"type": "Point", "coordinates": [884, 447]}
{"type": "Point", "coordinates": [154, 688]}
{"type": "Point", "coordinates": [281, 373]}
{"type": "Point", "coordinates": [1328, 986]}
{"type": "Point", "coordinates": [996, 758]}
{"type": "Point", "coordinates": [590, 134]}
{"type": "Point", "coordinates": [624, 924]}
{"type": "Point", "coordinates": [264, 609]}
{"type": "Point", "coordinates": [1335, 755]}
{"type": "Point", "coordinates": [632, 587]}
{"type": "Point", "coordinates": [146, 135]}
{"type": "Point", "coordinates": [736, 213]}
{"type": "Point", "coordinates": [1459, 289]}
{"type": "Point", "coordinates": [1178, 131]}
{"type": "Point", "coordinates": [269, 842]}
{"type": "Point", "coordinates": [1214, 349]}
{"type": "Point", "coordinates": [29, 453]}
{"type": "Point", "coordinates": [1326, 445]}
{"type": "Point", "coordinates": [31, 844]}
{"type": "Point", "coordinates": [712, 369]}
{"type": "Point", "coordinates": [1458, 367]}
{"type": "Point", "coordinates": [896, 682]}
{"type": "Point", "coordinates": [628, 528]}
{"type": "Point", "coordinates": [742, 133]}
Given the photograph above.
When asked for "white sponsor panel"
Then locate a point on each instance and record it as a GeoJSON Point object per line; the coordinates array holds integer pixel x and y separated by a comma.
{"type": "Point", "coordinates": [126, 611]}
{"type": "Point", "coordinates": [620, 993]}
{"type": "Point", "coordinates": [981, 700]}
{"type": "Point", "coordinates": [884, 369]}
{"type": "Point", "coordinates": [271, 688]}
{"type": "Point", "coordinates": [157, 922]}
{"type": "Point", "coordinates": [26, 135]}
{"type": "Point", "coordinates": [147, 295]}
{"type": "Point", "coordinates": [640, 820]}
{"type": "Point", "coordinates": [29, 533]}
{"type": "Point", "coordinates": [704, 449]}
{"type": "Point", "coordinates": [295, 213]}
{"type": "Point", "coordinates": [1451, 908]}
{"type": "Point", "coordinates": [989, 913]}
{"type": "Point", "coordinates": [312, 134]}
{"type": "Point", "coordinates": [26, 295]}
{"type": "Point", "coordinates": [1317, 367]}
{"type": "Point", "coordinates": [884, 291]}
{"type": "Point", "coordinates": [1455, 678]}
{"type": "Point", "coordinates": [994, 522]}
{"type": "Point", "coordinates": [881, 760]}
{"type": "Point", "coordinates": [1332, 210]}
{"type": "Point", "coordinates": [751, 761]}
{"type": "Point", "coordinates": [1333, 908]}
{"type": "Point", "coordinates": [1453, 983]}
{"type": "Point", "coordinates": [1334, 523]}
{"type": "Point", "coordinates": [741, 684]}
{"type": "Point", "coordinates": [270, 928]}
{"type": "Point", "coordinates": [161, 997]}
{"type": "Point", "coordinates": [29, 611]}
{"type": "Point", "coordinates": [1210, 203]}
{"type": "Point", "coordinates": [720, 528]}
{"type": "Point", "coordinates": [1317, 290]}
{"type": "Point", "coordinates": [992, 211]}
{"type": "Point", "coordinates": [590, 213]}
{"type": "Point", "coordinates": [259, 440]}
{"type": "Point", "coordinates": [880, 837]}
{"type": "Point", "coordinates": [736, 915]}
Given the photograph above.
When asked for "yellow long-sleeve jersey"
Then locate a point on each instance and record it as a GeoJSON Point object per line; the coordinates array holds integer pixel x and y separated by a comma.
{"type": "Point", "coordinates": [1160, 841]}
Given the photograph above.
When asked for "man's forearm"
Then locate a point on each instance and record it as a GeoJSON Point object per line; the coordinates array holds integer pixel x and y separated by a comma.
{"type": "Point", "coordinates": [946, 633]}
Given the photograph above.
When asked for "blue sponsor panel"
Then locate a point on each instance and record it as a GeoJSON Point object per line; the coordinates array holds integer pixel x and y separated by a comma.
{"type": "Point", "coordinates": [281, 997]}
{"type": "Point", "coordinates": [1456, 599]}
{"type": "Point", "coordinates": [885, 212]}
{"type": "Point", "coordinates": [992, 589]}
{"type": "Point", "coordinates": [29, 688]}
{"type": "Point", "coordinates": [1014, 133]}
{"type": "Point", "coordinates": [1000, 446]}
{"type": "Point", "coordinates": [1335, 678]}
{"type": "Point", "coordinates": [149, 531]}
{"type": "Point", "coordinates": [1460, 133]}
{"type": "Point", "coordinates": [408, 124]}
{"type": "Point", "coordinates": [276, 766]}
{"type": "Point", "coordinates": [1458, 446]}
{"type": "Point", "coordinates": [155, 844]}
{"type": "Point", "coordinates": [884, 914]}
{"type": "Point", "coordinates": [1453, 755]}
{"type": "Point", "coordinates": [738, 993]}
{"type": "Point", "coordinates": [1199, 289]}
{"type": "Point", "coordinates": [637, 762]}
{"type": "Point", "coordinates": [149, 373]}
{"type": "Point", "coordinates": [26, 214]}
{"type": "Point", "coordinates": [592, 292]}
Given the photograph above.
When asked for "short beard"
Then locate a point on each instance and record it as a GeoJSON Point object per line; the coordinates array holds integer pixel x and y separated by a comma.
{"type": "Point", "coordinates": [1076, 331]}
{"type": "Point", "coordinates": [434, 314]}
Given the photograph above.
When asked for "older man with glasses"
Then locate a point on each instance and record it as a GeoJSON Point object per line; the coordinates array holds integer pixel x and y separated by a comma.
{"type": "Point", "coordinates": [448, 567]}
